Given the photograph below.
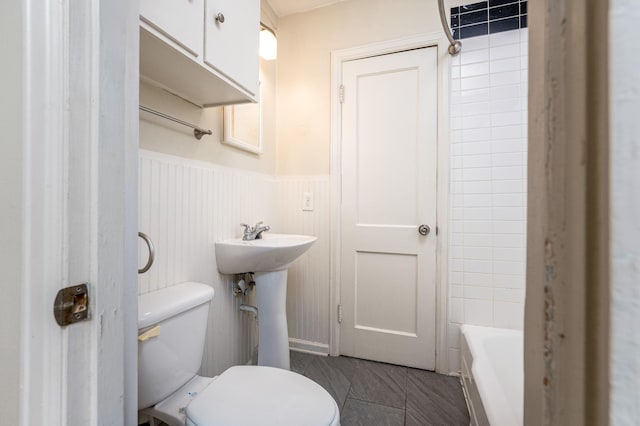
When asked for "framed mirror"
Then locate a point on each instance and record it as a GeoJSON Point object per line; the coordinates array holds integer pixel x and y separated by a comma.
{"type": "Point", "coordinates": [243, 126]}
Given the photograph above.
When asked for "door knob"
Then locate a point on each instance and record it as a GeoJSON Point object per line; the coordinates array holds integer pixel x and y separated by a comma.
{"type": "Point", "coordinates": [220, 17]}
{"type": "Point", "coordinates": [424, 229]}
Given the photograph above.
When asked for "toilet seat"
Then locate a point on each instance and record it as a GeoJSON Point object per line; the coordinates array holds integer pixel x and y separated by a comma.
{"type": "Point", "coordinates": [265, 396]}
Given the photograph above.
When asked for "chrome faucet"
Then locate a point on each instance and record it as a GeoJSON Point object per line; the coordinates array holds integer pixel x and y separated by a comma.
{"type": "Point", "coordinates": [253, 233]}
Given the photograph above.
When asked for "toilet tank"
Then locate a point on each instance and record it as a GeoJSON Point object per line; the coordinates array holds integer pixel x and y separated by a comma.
{"type": "Point", "coordinates": [172, 353]}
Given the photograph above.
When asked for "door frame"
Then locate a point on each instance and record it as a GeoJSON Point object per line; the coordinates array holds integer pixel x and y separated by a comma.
{"type": "Point", "coordinates": [436, 39]}
{"type": "Point", "coordinates": [79, 146]}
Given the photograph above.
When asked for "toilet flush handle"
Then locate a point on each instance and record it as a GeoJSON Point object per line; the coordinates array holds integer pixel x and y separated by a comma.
{"type": "Point", "coordinates": [153, 332]}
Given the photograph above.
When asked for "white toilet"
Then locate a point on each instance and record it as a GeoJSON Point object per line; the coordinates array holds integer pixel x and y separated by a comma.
{"type": "Point", "coordinates": [172, 324]}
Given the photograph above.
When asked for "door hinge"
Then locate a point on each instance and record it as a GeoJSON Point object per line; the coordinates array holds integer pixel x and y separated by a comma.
{"type": "Point", "coordinates": [339, 314]}
{"type": "Point", "coordinates": [71, 305]}
{"type": "Point", "coordinates": [341, 94]}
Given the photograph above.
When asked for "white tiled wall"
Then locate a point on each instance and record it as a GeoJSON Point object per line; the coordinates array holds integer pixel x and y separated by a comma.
{"type": "Point", "coordinates": [488, 184]}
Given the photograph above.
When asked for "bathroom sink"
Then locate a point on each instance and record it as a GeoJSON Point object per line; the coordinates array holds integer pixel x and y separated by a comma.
{"type": "Point", "coordinates": [268, 257]}
{"type": "Point", "coordinates": [273, 252]}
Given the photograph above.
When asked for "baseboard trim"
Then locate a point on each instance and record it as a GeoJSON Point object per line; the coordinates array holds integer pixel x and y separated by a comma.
{"type": "Point", "coordinates": [309, 347]}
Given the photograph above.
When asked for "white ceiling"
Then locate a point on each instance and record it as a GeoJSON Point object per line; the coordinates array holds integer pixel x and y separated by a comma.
{"type": "Point", "coordinates": [289, 7]}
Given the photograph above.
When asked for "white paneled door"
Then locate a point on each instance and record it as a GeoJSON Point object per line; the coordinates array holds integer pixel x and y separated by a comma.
{"type": "Point", "coordinates": [389, 153]}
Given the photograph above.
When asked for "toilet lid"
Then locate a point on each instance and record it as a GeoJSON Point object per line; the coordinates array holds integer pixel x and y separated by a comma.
{"type": "Point", "coordinates": [250, 396]}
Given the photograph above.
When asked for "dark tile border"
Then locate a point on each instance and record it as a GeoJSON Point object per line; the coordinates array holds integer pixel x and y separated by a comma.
{"type": "Point", "coordinates": [488, 17]}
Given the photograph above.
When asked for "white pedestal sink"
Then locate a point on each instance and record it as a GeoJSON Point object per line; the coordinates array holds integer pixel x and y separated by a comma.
{"type": "Point", "coordinates": [269, 258]}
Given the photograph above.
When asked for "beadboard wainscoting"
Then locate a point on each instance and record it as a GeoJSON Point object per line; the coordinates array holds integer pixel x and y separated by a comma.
{"type": "Point", "coordinates": [308, 282]}
{"type": "Point", "coordinates": [185, 206]}
{"type": "Point", "coordinates": [488, 184]}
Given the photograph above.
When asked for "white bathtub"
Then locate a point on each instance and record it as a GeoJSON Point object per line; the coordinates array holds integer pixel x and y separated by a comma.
{"type": "Point", "coordinates": [492, 374]}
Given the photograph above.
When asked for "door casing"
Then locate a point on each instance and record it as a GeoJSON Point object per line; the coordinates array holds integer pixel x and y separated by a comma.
{"type": "Point", "coordinates": [337, 58]}
{"type": "Point", "coordinates": [79, 143]}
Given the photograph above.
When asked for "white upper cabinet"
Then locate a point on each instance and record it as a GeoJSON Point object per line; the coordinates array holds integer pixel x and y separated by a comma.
{"type": "Point", "coordinates": [227, 49]}
{"type": "Point", "coordinates": [179, 20]}
{"type": "Point", "coordinates": [205, 51]}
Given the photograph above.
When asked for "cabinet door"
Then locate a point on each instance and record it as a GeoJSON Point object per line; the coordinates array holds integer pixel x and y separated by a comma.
{"type": "Point", "coordinates": [231, 47]}
{"type": "Point", "coordinates": [179, 20]}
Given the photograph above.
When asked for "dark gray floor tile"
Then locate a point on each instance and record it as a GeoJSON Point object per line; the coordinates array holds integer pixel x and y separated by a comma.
{"type": "Point", "coordinates": [299, 361]}
{"type": "Point", "coordinates": [435, 399]}
{"type": "Point", "coordinates": [345, 364]}
{"type": "Point", "coordinates": [380, 383]}
{"type": "Point", "coordinates": [362, 413]}
{"type": "Point", "coordinates": [326, 375]}
{"type": "Point", "coordinates": [372, 393]}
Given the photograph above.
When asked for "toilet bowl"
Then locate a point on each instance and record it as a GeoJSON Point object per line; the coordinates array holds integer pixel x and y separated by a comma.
{"type": "Point", "coordinates": [172, 325]}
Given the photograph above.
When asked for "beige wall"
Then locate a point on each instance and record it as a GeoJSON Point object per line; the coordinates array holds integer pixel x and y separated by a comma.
{"type": "Point", "coordinates": [11, 210]}
{"type": "Point", "coordinates": [305, 42]}
{"type": "Point", "coordinates": [160, 135]}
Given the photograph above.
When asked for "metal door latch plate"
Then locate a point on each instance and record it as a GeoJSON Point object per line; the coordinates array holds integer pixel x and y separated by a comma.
{"type": "Point", "coordinates": [71, 305]}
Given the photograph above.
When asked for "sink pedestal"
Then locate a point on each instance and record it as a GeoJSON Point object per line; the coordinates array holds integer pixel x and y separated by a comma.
{"type": "Point", "coordinates": [273, 334]}
{"type": "Point", "coordinates": [269, 258]}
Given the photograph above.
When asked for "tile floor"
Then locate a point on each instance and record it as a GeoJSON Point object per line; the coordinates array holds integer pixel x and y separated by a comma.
{"type": "Point", "coordinates": [372, 393]}
{"type": "Point", "coordinates": [377, 394]}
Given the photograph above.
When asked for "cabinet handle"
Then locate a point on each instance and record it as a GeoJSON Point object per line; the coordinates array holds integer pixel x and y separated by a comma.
{"type": "Point", "coordinates": [220, 17]}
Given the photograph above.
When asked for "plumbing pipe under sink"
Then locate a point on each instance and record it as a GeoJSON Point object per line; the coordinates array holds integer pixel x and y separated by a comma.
{"type": "Point", "coordinates": [249, 308]}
